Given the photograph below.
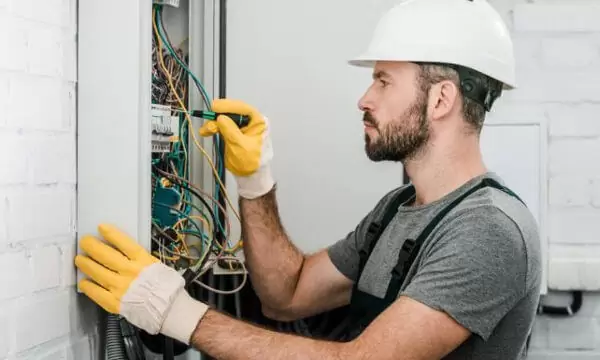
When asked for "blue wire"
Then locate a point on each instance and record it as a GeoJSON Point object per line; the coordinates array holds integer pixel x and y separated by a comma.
{"type": "Point", "coordinates": [166, 43]}
{"type": "Point", "coordinates": [207, 101]}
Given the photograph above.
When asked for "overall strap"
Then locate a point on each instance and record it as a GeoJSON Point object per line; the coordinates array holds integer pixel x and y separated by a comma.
{"type": "Point", "coordinates": [376, 228]}
{"type": "Point", "coordinates": [411, 247]}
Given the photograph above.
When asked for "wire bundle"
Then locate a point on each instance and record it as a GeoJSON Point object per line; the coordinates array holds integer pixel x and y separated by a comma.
{"type": "Point", "coordinates": [161, 93]}
{"type": "Point", "coordinates": [200, 233]}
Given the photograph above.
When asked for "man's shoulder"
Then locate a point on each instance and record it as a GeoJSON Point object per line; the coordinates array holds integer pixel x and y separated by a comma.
{"type": "Point", "coordinates": [491, 209]}
{"type": "Point", "coordinates": [492, 206]}
{"type": "Point", "coordinates": [498, 223]}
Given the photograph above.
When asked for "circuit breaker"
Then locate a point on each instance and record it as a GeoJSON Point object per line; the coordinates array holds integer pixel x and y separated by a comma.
{"type": "Point", "coordinates": [165, 128]}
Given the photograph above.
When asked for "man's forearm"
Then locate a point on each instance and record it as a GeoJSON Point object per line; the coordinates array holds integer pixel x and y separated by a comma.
{"type": "Point", "coordinates": [273, 261]}
{"type": "Point", "coordinates": [225, 338]}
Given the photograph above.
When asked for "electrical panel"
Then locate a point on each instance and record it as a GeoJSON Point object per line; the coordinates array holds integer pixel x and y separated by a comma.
{"type": "Point", "coordinates": [157, 179]}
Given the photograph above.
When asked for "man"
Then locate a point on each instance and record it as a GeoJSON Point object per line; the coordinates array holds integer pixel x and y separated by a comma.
{"type": "Point", "coordinates": [447, 267]}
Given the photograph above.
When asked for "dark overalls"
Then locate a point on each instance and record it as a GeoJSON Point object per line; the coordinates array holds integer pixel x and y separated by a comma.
{"type": "Point", "coordinates": [364, 307]}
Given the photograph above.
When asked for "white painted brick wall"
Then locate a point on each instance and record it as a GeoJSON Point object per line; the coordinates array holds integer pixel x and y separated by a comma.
{"type": "Point", "coordinates": [558, 53]}
{"type": "Point", "coordinates": [41, 315]}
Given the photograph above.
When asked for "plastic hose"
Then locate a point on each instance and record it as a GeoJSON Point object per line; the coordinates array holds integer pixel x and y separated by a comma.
{"type": "Point", "coordinates": [115, 349]}
{"type": "Point", "coordinates": [568, 310]}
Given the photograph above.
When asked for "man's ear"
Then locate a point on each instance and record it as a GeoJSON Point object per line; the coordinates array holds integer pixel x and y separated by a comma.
{"type": "Point", "coordinates": [443, 98]}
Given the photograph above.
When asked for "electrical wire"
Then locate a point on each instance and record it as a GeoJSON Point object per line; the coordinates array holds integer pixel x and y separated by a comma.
{"type": "Point", "coordinates": [216, 138]}
{"type": "Point", "coordinates": [235, 290]}
{"type": "Point", "coordinates": [174, 231]}
{"type": "Point", "coordinates": [203, 259]}
{"type": "Point", "coordinates": [167, 42]}
{"type": "Point", "coordinates": [188, 231]}
{"type": "Point", "coordinates": [197, 191]}
{"type": "Point", "coordinates": [188, 118]}
{"type": "Point", "coordinates": [218, 160]}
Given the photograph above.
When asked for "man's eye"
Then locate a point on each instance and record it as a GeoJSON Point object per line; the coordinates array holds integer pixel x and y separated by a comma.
{"type": "Point", "coordinates": [383, 82]}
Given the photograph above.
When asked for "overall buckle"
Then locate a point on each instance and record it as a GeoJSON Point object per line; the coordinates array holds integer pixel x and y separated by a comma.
{"type": "Point", "coordinates": [405, 254]}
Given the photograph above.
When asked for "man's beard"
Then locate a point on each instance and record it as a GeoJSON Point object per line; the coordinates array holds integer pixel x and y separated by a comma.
{"type": "Point", "coordinates": [401, 139]}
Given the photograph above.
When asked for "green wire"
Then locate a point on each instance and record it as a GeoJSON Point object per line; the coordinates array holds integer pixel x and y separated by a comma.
{"type": "Point", "coordinates": [198, 84]}
{"type": "Point", "coordinates": [181, 168]}
{"type": "Point", "coordinates": [195, 233]}
{"type": "Point", "coordinates": [181, 63]}
{"type": "Point", "coordinates": [203, 214]}
{"type": "Point", "coordinates": [182, 215]}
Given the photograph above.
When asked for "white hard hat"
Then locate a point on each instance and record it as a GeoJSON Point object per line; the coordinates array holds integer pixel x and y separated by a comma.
{"type": "Point", "coordinates": [469, 33]}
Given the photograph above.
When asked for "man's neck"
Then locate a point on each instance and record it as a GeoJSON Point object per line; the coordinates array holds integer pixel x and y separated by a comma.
{"type": "Point", "coordinates": [440, 171]}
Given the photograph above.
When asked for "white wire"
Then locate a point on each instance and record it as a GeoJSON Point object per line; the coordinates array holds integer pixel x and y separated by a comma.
{"type": "Point", "coordinates": [225, 292]}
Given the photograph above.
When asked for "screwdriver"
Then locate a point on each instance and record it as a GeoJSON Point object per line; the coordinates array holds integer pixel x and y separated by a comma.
{"type": "Point", "coordinates": [240, 120]}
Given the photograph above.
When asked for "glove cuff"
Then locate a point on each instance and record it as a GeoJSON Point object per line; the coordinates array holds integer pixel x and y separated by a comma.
{"type": "Point", "coordinates": [257, 184]}
{"type": "Point", "coordinates": [150, 296]}
{"type": "Point", "coordinates": [183, 317]}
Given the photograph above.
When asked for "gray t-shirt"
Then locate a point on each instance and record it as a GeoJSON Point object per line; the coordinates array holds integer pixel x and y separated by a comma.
{"type": "Point", "coordinates": [481, 265]}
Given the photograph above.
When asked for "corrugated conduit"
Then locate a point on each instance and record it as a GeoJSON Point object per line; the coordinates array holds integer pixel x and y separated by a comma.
{"type": "Point", "coordinates": [115, 348]}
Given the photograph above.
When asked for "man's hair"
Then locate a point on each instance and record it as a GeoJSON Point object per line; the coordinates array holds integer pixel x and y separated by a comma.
{"type": "Point", "coordinates": [473, 112]}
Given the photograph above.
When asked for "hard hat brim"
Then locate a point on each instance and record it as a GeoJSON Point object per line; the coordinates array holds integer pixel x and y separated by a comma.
{"type": "Point", "coordinates": [369, 62]}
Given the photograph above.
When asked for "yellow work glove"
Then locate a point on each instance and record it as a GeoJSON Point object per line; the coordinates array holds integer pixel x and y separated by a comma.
{"type": "Point", "coordinates": [248, 151]}
{"type": "Point", "coordinates": [127, 280]}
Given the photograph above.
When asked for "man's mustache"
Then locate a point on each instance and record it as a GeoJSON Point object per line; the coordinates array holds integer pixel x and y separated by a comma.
{"type": "Point", "coordinates": [369, 119]}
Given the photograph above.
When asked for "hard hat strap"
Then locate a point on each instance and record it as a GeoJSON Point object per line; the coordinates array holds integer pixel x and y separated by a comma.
{"type": "Point", "coordinates": [474, 86]}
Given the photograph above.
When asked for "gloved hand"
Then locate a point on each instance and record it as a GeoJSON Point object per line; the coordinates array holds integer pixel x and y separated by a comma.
{"type": "Point", "coordinates": [248, 151]}
{"type": "Point", "coordinates": [131, 282]}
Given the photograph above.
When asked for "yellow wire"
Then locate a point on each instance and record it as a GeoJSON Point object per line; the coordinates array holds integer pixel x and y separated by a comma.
{"type": "Point", "coordinates": [165, 257]}
{"type": "Point", "coordinates": [182, 220]}
{"type": "Point", "coordinates": [180, 236]}
{"type": "Point", "coordinates": [191, 126]}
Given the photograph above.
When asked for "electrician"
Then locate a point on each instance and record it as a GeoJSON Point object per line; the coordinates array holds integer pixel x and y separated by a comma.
{"type": "Point", "coordinates": [445, 267]}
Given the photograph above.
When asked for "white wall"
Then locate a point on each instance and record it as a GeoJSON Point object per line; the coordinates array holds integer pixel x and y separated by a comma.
{"type": "Point", "coordinates": [40, 314]}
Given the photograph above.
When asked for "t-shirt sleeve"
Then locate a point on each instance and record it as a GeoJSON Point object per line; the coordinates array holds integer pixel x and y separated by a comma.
{"type": "Point", "coordinates": [475, 271]}
{"type": "Point", "coordinates": [344, 253]}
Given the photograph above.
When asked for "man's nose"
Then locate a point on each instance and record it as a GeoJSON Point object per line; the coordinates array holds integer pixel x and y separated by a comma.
{"type": "Point", "coordinates": [365, 103]}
